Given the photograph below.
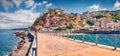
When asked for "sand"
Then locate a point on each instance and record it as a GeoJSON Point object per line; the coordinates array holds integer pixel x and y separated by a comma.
{"type": "Point", "coordinates": [59, 46]}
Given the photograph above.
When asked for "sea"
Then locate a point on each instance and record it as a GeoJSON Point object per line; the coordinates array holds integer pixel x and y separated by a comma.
{"type": "Point", "coordinates": [8, 41]}
{"type": "Point", "coordinates": [103, 39]}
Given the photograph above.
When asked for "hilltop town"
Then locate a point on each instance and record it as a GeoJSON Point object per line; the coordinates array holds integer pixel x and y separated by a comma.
{"type": "Point", "coordinates": [57, 19]}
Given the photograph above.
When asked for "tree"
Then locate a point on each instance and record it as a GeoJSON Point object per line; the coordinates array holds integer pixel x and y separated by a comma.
{"type": "Point", "coordinates": [58, 28]}
{"type": "Point", "coordinates": [99, 16]}
{"type": "Point", "coordinates": [37, 21]}
{"type": "Point", "coordinates": [90, 22]}
{"type": "Point", "coordinates": [69, 27]}
{"type": "Point", "coordinates": [81, 23]}
{"type": "Point", "coordinates": [115, 18]}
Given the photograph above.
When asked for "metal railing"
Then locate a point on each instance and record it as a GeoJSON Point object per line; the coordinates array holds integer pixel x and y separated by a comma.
{"type": "Point", "coordinates": [67, 33]}
{"type": "Point", "coordinates": [34, 45]}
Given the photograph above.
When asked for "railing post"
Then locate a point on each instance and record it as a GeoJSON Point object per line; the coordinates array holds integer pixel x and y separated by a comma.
{"type": "Point", "coordinates": [36, 44]}
{"type": "Point", "coordinates": [58, 33]}
{"type": "Point", "coordinates": [62, 33]}
{"type": "Point", "coordinates": [83, 38]}
{"type": "Point", "coordinates": [74, 36]}
{"type": "Point", "coordinates": [115, 41]}
{"type": "Point", "coordinates": [96, 39]}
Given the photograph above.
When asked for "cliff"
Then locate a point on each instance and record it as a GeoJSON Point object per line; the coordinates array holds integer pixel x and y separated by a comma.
{"type": "Point", "coordinates": [22, 48]}
{"type": "Point", "coordinates": [57, 19]}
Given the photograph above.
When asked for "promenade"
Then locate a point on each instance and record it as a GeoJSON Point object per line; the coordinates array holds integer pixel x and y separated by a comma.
{"type": "Point", "coordinates": [59, 46]}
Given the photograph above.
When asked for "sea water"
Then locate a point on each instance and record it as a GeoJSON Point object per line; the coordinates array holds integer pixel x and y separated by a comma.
{"type": "Point", "coordinates": [8, 41]}
{"type": "Point", "coordinates": [104, 39]}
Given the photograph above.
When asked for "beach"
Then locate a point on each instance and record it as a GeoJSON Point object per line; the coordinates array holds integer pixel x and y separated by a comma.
{"type": "Point", "coordinates": [59, 46]}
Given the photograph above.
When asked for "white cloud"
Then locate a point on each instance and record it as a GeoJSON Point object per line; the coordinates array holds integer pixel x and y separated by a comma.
{"type": "Point", "coordinates": [6, 4]}
{"type": "Point", "coordinates": [42, 3]}
{"type": "Point", "coordinates": [19, 19]}
{"type": "Point", "coordinates": [29, 3]}
{"type": "Point", "coordinates": [96, 7]}
{"type": "Point", "coordinates": [34, 6]}
{"type": "Point", "coordinates": [45, 2]}
{"type": "Point", "coordinates": [116, 5]}
{"type": "Point", "coordinates": [17, 2]}
{"type": "Point", "coordinates": [48, 5]}
{"type": "Point", "coordinates": [39, 4]}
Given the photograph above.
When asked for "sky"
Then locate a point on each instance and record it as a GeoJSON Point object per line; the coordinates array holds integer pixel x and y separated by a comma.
{"type": "Point", "coordinates": [22, 13]}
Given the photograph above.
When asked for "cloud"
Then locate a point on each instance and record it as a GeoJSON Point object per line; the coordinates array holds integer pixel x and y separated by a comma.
{"type": "Point", "coordinates": [6, 4]}
{"type": "Point", "coordinates": [29, 3]}
{"type": "Point", "coordinates": [39, 4]}
{"type": "Point", "coordinates": [34, 6]}
{"type": "Point", "coordinates": [19, 19]}
{"type": "Point", "coordinates": [17, 2]}
{"type": "Point", "coordinates": [116, 5]}
{"type": "Point", "coordinates": [42, 3]}
{"type": "Point", "coordinates": [96, 7]}
{"type": "Point", "coordinates": [45, 2]}
{"type": "Point", "coordinates": [48, 5]}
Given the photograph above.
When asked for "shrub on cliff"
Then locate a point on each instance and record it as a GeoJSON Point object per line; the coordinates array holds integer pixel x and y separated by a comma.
{"type": "Point", "coordinates": [116, 18]}
{"type": "Point", "coordinates": [90, 22]}
{"type": "Point", "coordinates": [99, 16]}
{"type": "Point", "coordinates": [58, 29]}
{"type": "Point", "coordinates": [37, 21]}
{"type": "Point", "coordinates": [69, 27]}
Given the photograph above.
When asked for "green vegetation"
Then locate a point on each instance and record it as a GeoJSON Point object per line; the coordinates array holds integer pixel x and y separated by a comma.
{"type": "Point", "coordinates": [115, 18]}
{"type": "Point", "coordinates": [69, 27]}
{"type": "Point", "coordinates": [90, 22]}
{"type": "Point", "coordinates": [71, 16]}
{"type": "Point", "coordinates": [72, 25]}
{"type": "Point", "coordinates": [58, 29]}
{"type": "Point", "coordinates": [81, 23]}
{"type": "Point", "coordinates": [99, 16]}
{"type": "Point", "coordinates": [37, 21]}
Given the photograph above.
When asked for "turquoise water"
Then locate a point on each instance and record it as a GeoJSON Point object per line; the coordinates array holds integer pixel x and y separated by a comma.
{"type": "Point", "coordinates": [104, 39]}
{"type": "Point", "coordinates": [8, 41]}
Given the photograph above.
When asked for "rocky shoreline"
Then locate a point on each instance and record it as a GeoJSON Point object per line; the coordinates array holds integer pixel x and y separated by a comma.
{"type": "Point", "coordinates": [23, 35]}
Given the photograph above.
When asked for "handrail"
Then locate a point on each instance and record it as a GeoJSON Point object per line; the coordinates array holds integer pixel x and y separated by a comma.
{"type": "Point", "coordinates": [86, 32]}
{"type": "Point", "coordinates": [34, 46]}
{"type": "Point", "coordinates": [64, 33]}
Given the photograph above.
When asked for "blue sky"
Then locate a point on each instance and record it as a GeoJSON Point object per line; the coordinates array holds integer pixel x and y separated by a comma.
{"type": "Point", "coordinates": [22, 13]}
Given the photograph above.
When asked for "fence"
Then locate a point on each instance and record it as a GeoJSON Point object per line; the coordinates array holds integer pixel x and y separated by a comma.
{"type": "Point", "coordinates": [34, 45]}
{"type": "Point", "coordinates": [74, 33]}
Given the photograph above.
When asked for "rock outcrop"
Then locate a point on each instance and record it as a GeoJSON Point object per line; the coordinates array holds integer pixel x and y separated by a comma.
{"type": "Point", "coordinates": [24, 39]}
{"type": "Point", "coordinates": [56, 18]}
